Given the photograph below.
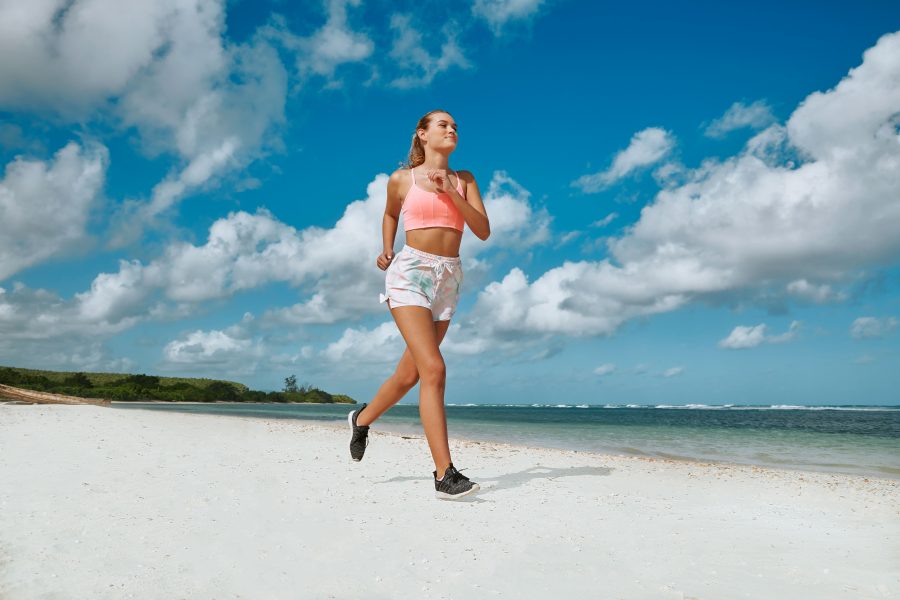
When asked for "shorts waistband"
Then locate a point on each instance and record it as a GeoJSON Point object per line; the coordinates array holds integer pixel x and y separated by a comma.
{"type": "Point", "coordinates": [435, 257]}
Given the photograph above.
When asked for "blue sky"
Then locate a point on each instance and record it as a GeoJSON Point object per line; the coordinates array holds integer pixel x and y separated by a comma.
{"type": "Point", "coordinates": [689, 204]}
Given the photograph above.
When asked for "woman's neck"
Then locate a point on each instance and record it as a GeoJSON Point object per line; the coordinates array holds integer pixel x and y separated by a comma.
{"type": "Point", "coordinates": [436, 161]}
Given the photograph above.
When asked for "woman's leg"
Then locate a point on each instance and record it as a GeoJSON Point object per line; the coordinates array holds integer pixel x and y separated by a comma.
{"type": "Point", "coordinates": [405, 377]}
{"type": "Point", "coordinates": [416, 324]}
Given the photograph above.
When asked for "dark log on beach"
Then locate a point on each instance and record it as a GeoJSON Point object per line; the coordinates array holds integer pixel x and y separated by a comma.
{"type": "Point", "coordinates": [46, 398]}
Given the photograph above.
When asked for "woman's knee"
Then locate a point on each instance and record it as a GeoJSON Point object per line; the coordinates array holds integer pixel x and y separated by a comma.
{"type": "Point", "coordinates": [433, 371]}
{"type": "Point", "coordinates": [407, 377]}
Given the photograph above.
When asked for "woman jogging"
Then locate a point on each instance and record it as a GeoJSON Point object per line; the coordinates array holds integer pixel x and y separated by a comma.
{"type": "Point", "coordinates": [422, 284]}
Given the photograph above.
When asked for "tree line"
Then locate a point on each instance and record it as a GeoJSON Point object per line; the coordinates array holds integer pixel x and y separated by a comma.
{"type": "Point", "coordinates": [151, 387]}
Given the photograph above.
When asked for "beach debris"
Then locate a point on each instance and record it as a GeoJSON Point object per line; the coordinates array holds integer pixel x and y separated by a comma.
{"type": "Point", "coordinates": [34, 397]}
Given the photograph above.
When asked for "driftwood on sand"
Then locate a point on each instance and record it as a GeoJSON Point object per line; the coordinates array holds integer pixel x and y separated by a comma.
{"type": "Point", "coordinates": [46, 397]}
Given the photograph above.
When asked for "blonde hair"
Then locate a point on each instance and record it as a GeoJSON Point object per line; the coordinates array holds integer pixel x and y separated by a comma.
{"type": "Point", "coordinates": [416, 151]}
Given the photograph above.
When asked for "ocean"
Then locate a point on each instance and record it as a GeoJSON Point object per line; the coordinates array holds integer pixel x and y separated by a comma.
{"type": "Point", "coordinates": [859, 440]}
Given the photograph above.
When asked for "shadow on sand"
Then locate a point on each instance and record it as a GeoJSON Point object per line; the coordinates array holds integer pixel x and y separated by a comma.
{"type": "Point", "coordinates": [493, 484]}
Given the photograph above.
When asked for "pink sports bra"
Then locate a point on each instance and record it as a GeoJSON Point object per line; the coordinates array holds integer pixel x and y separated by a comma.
{"type": "Point", "coordinates": [430, 209]}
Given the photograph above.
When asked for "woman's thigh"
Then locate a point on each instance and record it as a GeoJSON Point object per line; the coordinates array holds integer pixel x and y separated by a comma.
{"type": "Point", "coordinates": [407, 365]}
{"type": "Point", "coordinates": [419, 331]}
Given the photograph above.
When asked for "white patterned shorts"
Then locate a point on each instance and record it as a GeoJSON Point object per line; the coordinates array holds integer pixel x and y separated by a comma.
{"type": "Point", "coordinates": [417, 278]}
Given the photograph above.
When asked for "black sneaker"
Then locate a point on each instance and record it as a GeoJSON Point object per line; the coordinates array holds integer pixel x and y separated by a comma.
{"type": "Point", "coordinates": [454, 484]}
{"type": "Point", "coordinates": [359, 435]}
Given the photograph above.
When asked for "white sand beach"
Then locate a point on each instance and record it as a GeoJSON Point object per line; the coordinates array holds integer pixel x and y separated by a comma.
{"type": "Point", "coordinates": [105, 503]}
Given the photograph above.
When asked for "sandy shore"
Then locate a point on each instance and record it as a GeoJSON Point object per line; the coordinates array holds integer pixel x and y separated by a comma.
{"type": "Point", "coordinates": [105, 503]}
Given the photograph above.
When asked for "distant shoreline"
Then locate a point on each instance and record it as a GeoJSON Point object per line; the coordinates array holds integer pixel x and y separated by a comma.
{"type": "Point", "coordinates": [100, 388]}
{"type": "Point", "coordinates": [227, 402]}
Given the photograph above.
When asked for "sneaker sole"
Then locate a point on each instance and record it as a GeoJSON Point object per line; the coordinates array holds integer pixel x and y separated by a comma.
{"type": "Point", "coordinates": [446, 496]}
{"type": "Point", "coordinates": [350, 422]}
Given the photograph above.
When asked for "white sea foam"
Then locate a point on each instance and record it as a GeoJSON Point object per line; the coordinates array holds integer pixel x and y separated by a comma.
{"type": "Point", "coordinates": [689, 406]}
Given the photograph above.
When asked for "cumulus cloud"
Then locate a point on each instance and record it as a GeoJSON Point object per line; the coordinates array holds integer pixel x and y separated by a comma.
{"type": "Point", "coordinates": [40, 329]}
{"type": "Point", "coordinates": [672, 372]}
{"type": "Point", "coordinates": [515, 222]}
{"type": "Point", "coordinates": [213, 350]}
{"type": "Point", "coordinates": [744, 337]}
{"type": "Point", "coordinates": [818, 294]}
{"type": "Point", "coordinates": [331, 46]}
{"type": "Point", "coordinates": [378, 345]}
{"type": "Point", "coordinates": [646, 147]}
{"type": "Point", "coordinates": [752, 336]}
{"type": "Point", "coordinates": [162, 68]}
{"type": "Point", "coordinates": [222, 120]}
{"type": "Point", "coordinates": [72, 56]}
{"type": "Point", "coordinates": [498, 13]}
{"type": "Point", "coordinates": [45, 205]}
{"type": "Point", "coordinates": [757, 115]}
{"type": "Point", "coordinates": [872, 327]}
{"type": "Point", "coordinates": [334, 269]}
{"type": "Point", "coordinates": [418, 65]}
{"type": "Point", "coordinates": [753, 222]}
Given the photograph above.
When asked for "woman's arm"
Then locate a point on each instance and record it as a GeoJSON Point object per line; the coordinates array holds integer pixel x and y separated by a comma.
{"type": "Point", "coordinates": [391, 211]}
{"type": "Point", "coordinates": [472, 207]}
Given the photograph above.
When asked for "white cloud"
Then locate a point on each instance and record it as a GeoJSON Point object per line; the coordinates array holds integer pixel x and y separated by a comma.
{"type": "Point", "coordinates": [216, 350]}
{"type": "Point", "coordinates": [498, 13]}
{"type": "Point", "coordinates": [45, 206]}
{"type": "Point", "coordinates": [335, 269]}
{"type": "Point", "coordinates": [163, 68]}
{"type": "Point", "coordinates": [787, 336]}
{"type": "Point", "coordinates": [751, 223]}
{"type": "Point", "coordinates": [605, 369]}
{"type": "Point", "coordinates": [672, 372]}
{"type": "Point", "coordinates": [872, 327]}
{"type": "Point", "coordinates": [515, 222]}
{"type": "Point", "coordinates": [64, 354]}
{"type": "Point", "coordinates": [670, 174]}
{"type": "Point", "coordinates": [567, 237]}
{"type": "Point", "coordinates": [333, 45]}
{"type": "Point", "coordinates": [738, 116]}
{"type": "Point", "coordinates": [219, 121]}
{"type": "Point", "coordinates": [744, 337]}
{"type": "Point", "coordinates": [38, 329]}
{"type": "Point", "coordinates": [751, 336]}
{"type": "Point", "coordinates": [376, 346]}
{"type": "Point", "coordinates": [646, 147]}
{"type": "Point", "coordinates": [819, 294]}
{"type": "Point", "coordinates": [72, 56]}
{"type": "Point", "coordinates": [456, 342]}
{"type": "Point", "coordinates": [605, 220]}
{"type": "Point", "coordinates": [418, 65]}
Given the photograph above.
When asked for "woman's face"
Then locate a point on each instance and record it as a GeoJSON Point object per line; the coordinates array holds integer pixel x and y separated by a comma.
{"type": "Point", "coordinates": [441, 132]}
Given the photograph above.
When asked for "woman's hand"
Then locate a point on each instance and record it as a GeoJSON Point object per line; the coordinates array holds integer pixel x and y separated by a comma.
{"type": "Point", "coordinates": [384, 260]}
{"type": "Point", "coordinates": [438, 178]}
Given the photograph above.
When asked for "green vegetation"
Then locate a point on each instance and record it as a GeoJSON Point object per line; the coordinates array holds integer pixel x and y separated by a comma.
{"type": "Point", "coordinates": [124, 387]}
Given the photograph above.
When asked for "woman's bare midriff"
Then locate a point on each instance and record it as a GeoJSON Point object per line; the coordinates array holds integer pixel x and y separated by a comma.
{"type": "Point", "coordinates": [443, 241]}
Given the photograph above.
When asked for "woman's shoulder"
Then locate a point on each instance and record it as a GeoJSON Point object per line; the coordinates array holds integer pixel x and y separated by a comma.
{"type": "Point", "coordinates": [465, 175]}
{"type": "Point", "coordinates": [401, 175]}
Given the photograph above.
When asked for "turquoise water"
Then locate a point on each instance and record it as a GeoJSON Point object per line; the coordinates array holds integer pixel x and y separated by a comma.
{"type": "Point", "coordinates": [844, 439]}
